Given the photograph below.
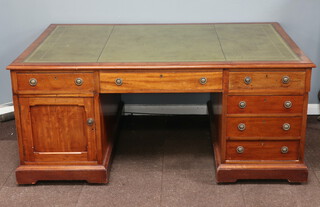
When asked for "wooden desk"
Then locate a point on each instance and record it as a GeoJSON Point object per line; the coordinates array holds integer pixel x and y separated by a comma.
{"type": "Point", "coordinates": [67, 86]}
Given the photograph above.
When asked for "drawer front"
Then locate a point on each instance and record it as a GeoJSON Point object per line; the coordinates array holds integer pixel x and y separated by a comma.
{"type": "Point", "coordinates": [262, 150]}
{"type": "Point", "coordinates": [265, 104]}
{"type": "Point", "coordinates": [288, 127]}
{"type": "Point", "coordinates": [267, 81]}
{"type": "Point", "coordinates": [55, 82]}
{"type": "Point", "coordinates": [157, 82]}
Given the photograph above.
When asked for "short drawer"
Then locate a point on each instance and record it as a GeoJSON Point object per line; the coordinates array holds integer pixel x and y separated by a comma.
{"type": "Point", "coordinates": [267, 81]}
{"type": "Point", "coordinates": [265, 104]}
{"type": "Point", "coordinates": [262, 150]}
{"type": "Point", "coordinates": [158, 82]}
{"type": "Point", "coordinates": [264, 127]}
{"type": "Point", "coordinates": [55, 83]}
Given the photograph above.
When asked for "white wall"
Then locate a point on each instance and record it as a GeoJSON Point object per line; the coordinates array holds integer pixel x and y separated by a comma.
{"type": "Point", "coordinates": [22, 21]}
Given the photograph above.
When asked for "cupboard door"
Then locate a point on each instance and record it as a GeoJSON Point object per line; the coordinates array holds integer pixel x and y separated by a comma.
{"type": "Point", "coordinates": [58, 129]}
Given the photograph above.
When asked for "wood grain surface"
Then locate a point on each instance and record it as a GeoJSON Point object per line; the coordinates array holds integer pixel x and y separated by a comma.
{"type": "Point", "coordinates": [262, 150]}
{"type": "Point", "coordinates": [265, 104]}
{"type": "Point", "coordinates": [159, 82]}
{"type": "Point", "coordinates": [267, 81]}
{"type": "Point", "coordinates": [264, 127]}
{"type": "Point", "coordinates": [55, 129]}
{"type": "Point", "coordinates": [48, 83]}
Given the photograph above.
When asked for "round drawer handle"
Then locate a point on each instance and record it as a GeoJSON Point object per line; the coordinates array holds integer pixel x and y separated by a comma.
{"type": "Point", "coordinates": [240, 149]}
{"type": "Point", "coordinates": [247, 80]}
{"type": "Point", "coordinates": [287, 104]}
{"type": "Point", "coordinates": [78, 81]}
{"type": "Point", "coordinates": [118, 81]}
{"type": "Point", "coordinates": [285, 79]}
{"type": "Point", "coordinates": [33, 82]}
{"type": "Point", "coordinates": [242, 104]}
{"type": "Point", "coordinates": [203, 80]}
{"type": "Point", "coordinates": [90, 121]}
{"type": "Point", "coordinates": [284, 150]}
{"type": "Point", "coordinates": [286, 126]}
{"type": "Point", "coordinates": [241, 127]}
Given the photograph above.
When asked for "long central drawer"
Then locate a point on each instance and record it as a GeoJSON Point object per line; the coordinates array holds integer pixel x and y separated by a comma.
{"type": "Point", "coordinates": [159, 82]}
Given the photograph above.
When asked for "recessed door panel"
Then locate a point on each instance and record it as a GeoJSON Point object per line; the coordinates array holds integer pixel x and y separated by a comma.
{"type": "Point", "coordinates": [56, 129]}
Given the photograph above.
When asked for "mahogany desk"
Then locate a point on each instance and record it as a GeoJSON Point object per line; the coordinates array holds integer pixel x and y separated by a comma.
{"type": "Point", "coordinates": [67, 86]}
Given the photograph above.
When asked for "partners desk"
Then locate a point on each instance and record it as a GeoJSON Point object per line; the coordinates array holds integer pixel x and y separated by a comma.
{"type": "Point", "coordinates": [67, 87]}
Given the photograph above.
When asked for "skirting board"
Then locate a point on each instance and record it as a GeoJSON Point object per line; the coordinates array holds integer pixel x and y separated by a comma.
{"type": "Point", "coordinates": [313, 109]}
{"type": "Point", "coordinates": [6, 108]}
{"type": "Point", "coordinates": [140, 109]}
{"type": "Point", "coordinates": [6, 112]}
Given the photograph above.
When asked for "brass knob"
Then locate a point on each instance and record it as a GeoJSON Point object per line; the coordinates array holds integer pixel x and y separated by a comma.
{"type": "Point", "coordinates": [247, 80]}
{"type": "Point", "coordinates": [90, 121]}
{"type": "Point", "coordinates": [242, 104]}
{"type": "Point", "coordinates": [241, 126]}
{"type": "Point", "coordinates": [287, 104]}
{"type": "Point", "coordinates": [284, 150]}
{"type": "Point", "coordinates": [286, 126]}
{"type": "Point", "coordinates": [240, 149]}
{"type": "Point", "coordinates": [33, 82]}
{"type": "Point", "coordinates": [118, 81]}
{"type": "Point", "coordinates": [285, 79]}
{"type": "Point", "coordinates": [203, 80]}
{"type": "Point", "coordinates": [78, 81]}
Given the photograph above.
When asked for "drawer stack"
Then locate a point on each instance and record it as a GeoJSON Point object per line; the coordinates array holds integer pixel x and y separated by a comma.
{"type": "Point", "coordinates": [265, 116]}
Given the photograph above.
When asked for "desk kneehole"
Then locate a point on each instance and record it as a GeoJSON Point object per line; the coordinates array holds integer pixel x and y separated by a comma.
{"type": "Point", "coordinates": [169, 81]}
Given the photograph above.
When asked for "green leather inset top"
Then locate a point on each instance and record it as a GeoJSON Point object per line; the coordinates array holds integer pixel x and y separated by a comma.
{"type": "Point", "coordinates": [253, 42]}
{"type": "Point", "coordinates": [163, 43]}
{"type": "Point", "coordinates": [81, 43]}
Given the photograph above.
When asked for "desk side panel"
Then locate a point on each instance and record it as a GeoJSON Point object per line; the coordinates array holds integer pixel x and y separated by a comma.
{"type": "Point", "coordinates": [108, 117]}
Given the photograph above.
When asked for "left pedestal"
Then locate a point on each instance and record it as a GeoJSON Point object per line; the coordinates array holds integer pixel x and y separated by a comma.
{"type": "Point", "coordinates": [68, 135]}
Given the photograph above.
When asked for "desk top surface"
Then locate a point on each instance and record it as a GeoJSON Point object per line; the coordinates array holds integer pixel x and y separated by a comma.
{"type": "Point", "coordinates": [156, 45]}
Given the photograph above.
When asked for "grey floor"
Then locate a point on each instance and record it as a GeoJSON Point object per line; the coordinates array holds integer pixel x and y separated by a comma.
{"type": "Point", "coordinates": [160, 161]}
